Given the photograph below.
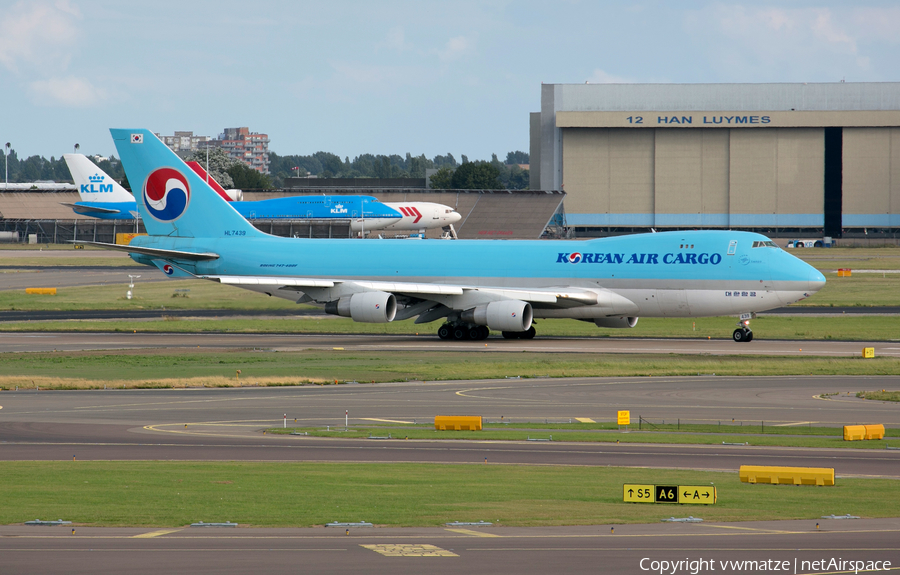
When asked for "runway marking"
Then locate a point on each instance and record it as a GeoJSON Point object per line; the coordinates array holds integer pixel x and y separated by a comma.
{"type": "Point", "coordinates": [385, 420]}
{"type": "Point", "coordinates": [410, 550]}
{"type": "Point", "coordinates": [585, 420]}
{"type": "Point", "coordinates": [473, 533]}
{"type": "Point", "coordinates": [755, 529]}
{"type": "Point", "coordinates": [156, 533]}
{"type": "Point", "coordinates": [793, 424]}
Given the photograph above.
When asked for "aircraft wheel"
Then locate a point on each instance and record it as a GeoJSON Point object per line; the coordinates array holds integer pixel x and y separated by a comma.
{"type": "Point", "coordinates": [510, 334]}
{"type": "Point", "coordinates": [529, 333]}
{"type": "Point", "coordinates": [485, 331]}
{"type": "Point", "coordinates": [460, 333]}
{"type": "Point", "coordinates": [475, 332]}
{"type": "Point", "coordinates": [444, 332]}
{"type": "Point", "coordinates": [742, 335]}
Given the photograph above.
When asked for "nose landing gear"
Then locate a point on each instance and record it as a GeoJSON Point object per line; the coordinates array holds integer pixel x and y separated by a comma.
{"type": "Point", "coordinates": [743, 332]}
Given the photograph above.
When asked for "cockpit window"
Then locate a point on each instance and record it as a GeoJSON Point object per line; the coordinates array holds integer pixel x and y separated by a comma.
{"type": "Point", "coordinates": [766, 244]}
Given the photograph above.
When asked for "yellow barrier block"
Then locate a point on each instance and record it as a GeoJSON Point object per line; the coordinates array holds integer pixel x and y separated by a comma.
{"type": "Point", "coordinates": [787, 475]}
{"type": "Point", "coordinates": [874, 431]}
{"type": "Point", "coordinates": [854, 432]}
{"type": "Point", "coordinates": [457, 422]}
{"type": "Point", "coordinates": [844, 273]}
{"type": "Point", "coordinates": [125, 239]}
{"type": "Point", "coordinates": [41, 291]}
{"type": "Point", "coordinates": [868, 352]}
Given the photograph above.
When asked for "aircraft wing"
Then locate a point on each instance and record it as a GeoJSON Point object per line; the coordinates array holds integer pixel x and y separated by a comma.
{"type": "Point", "coordinates": [90, 209]}
{"type": "Point", "coordinates": [455, 296]}
{"type": "Point", "coordinates": [154, 252]}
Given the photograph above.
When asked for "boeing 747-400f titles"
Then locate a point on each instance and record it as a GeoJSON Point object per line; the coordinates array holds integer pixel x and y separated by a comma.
{"type": "Point", "coordinates": [474, 285]}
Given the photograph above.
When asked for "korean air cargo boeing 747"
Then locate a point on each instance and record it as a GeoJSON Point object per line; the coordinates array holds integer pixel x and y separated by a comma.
{"type": "Point", "coordinates": [473, 285]}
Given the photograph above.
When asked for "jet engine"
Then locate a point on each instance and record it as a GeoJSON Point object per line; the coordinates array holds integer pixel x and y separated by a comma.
{"type": "Point", "coordinates": [368, 307]}
{"type": "Point", "coordinates": [508, 315]}
{"type": "Point", "coordinates": [616, 322]}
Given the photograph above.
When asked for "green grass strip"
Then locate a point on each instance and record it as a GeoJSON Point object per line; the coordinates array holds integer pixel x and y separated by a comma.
{"type": "Point", "coordinates": [729, 434]}
{"type": "Point", "coordinates": [133, 368]}
{"type": "Point", "coordinates": [169, 494]}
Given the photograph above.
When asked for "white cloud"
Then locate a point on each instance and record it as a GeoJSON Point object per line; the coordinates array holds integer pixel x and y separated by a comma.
{"type": "Point", "coordinates": [396, 39]}
{"type": "Point", "coordinates": [37, 34]}
{"type": "Point", "coordinates": [68, 92]}
{"type": "Point", "coordinates": [456, 48]}
{"type": "Point", "coordinates": [824, 29]}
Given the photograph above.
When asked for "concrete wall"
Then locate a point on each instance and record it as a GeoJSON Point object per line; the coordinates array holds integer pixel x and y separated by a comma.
{"type": "Point", "coordinates": [871, 177]}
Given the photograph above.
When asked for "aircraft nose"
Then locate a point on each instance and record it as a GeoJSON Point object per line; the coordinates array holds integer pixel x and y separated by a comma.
{"type": "Point", "coordinates": [454, 217]}
{"type": "Point", "coordinates": [816, 280]}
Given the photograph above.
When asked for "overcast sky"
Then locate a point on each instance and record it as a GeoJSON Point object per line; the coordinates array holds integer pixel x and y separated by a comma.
{"type": "Point", "coordinates": [393, 77]}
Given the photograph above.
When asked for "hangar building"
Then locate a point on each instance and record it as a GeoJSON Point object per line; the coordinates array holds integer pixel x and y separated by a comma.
{"type": "Point", "coordinates": [782, 159]}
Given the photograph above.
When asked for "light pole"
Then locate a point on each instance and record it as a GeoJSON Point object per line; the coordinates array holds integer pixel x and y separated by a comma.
{"type": "Point", "coordinates": [76, 148]}
{"type": "Point", "coordinates": [7, 164]}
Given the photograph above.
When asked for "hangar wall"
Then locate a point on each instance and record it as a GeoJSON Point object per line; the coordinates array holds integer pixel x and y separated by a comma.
{"type": "Point", "coordinates": [749, 156]}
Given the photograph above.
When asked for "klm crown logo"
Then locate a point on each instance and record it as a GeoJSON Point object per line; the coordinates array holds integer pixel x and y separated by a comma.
{"type": "Point", "coordinates": [92, 189]}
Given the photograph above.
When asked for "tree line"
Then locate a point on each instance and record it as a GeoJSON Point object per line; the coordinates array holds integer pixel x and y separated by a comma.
{"type": "Point", "coordinates": [451, 174]}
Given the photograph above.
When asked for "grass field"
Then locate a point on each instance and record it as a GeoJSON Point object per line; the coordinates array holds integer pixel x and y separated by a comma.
{"type": "Point", "coordinates": [142, 368]}
{"type": "Point", "coordinates": [170, 494]}
{"type": "Point", "coordinates": [753, 433]}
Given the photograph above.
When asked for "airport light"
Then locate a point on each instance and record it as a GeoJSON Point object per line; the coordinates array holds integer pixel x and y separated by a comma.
{"type": "Point", "coordinates": [131, 277]}
{"type": "Point", "coordinates": [76, 147]}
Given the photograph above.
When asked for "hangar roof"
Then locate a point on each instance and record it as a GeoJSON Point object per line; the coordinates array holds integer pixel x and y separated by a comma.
{"type": "Point", "coordinates": [727, 97]}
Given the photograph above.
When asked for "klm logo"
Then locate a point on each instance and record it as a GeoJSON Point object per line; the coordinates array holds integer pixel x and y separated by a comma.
{"type": "Point", "coordinates": [338, 209]}
{"type": "Point", "coordinates": [100, 186]}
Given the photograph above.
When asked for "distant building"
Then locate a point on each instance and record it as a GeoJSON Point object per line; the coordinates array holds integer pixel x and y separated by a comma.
{"type": "Point", "coordinates": [251, 148]}
{"type": "Point", "coordinates": [183, 141]}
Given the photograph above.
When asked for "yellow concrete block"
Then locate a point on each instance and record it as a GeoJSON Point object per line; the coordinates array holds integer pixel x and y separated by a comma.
{"type": "Point", "coordinates": [854, 432]}
{"type": "Point", "coordinates": [41, 291]}
{"type": "Point", "coordinates": [457, 422]}
{"type": "Point", "coordinates": [787, 475]}
{"type": "Point", "coordinates": [844, 273]}
{"type": "Point", "coordinates": [874, 431]}
{"type": "Point", "coordinates": [868, 352]}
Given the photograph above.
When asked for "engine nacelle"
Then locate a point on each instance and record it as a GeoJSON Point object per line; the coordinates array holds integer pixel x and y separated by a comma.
{"type": "Point", "coordinates": [616, 322]}
{"type": "Point", "coordinates": [508, 315]}
{"type": "Point", "coordinates": [368, 307]}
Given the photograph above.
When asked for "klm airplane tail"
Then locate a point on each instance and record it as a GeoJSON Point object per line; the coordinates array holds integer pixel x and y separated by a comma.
{"type": "Point", "coordinates": [94, 185]}
{"type": "Point", "coordinates": [171, 198]}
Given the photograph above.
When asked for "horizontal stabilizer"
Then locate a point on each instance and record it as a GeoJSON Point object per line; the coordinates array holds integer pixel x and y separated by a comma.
{"type": "Point", "coordinates": [90, 209]}
{"type": "Point", "coordinates": [154, 252]}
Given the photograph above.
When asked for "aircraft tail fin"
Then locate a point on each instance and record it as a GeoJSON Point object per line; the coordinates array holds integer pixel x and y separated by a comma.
{"type": "Point", "coordinates": [94, 185]}
{"type": "Point", "coordinates": [172, 199]}
{"type": "Point", "coordinates": [198, 169]}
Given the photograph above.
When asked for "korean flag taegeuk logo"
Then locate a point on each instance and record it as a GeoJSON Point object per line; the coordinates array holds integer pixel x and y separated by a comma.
{"type": "Point", "coordinates": [137, 138]}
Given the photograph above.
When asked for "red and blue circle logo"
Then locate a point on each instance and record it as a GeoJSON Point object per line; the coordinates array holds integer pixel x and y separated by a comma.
{"type": "Point", "coordinates": [574, 258]}
{"type": "Point", "coordinates": [166, 194]}
{"type": "Point", "coordinates": [168, 270]}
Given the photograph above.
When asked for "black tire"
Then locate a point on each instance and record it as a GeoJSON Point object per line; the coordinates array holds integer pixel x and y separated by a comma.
{"type": "Point", "coordinates": [485, 332]}
{"type": "Point", "coordinates": [444, 332]}
{"type": "Point", "coordinates": [749, 336]}
{"type": "Point", "coordinates": [475, 332]}
{"type": "Point", "coordinates": [460, 333]}
{"type": "Point", "coordinates": [529, 333]}
{"type": "Point", "coordinates": [738, 335]}
{"type": "Point", "coordinates": [510, 334]}
{"type": "Point", "coordinates": [819, 244]}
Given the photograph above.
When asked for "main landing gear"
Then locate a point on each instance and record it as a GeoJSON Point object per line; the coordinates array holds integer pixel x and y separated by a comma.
{"type": "Point", "coordinates": [743, 332]}
{"type": "Point", "coordinates": [467, 331]}
{"type": "Point", "coordinates": [463, 331]}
